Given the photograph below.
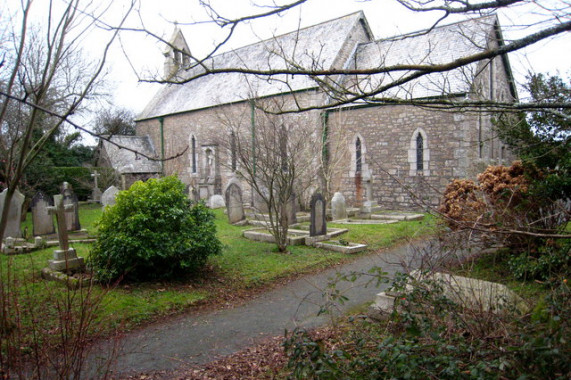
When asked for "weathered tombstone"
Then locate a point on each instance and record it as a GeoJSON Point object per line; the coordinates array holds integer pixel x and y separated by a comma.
{"type": "Point", "coordinates": [65, 258]}
{"type": "Point", "coordinates": [14, 213]}
{"type": "Point", "coordinates": [95, 193]}
{"type": "Point", "coordinates": [42, 221]}
{"type": "Point", "coordinates": [260, 204]}
{"type": "Point", "coordinates": [216, 201]}
{"type": "Point", "coordinates": [318, 225]}
{"type": "Point", "coordinates": [108, 197]}
{"type": "Point", "coordinates": [338, 207]}
{"type": "Point", "coordinates": [291, 210]}
{"type": "Point", "coordinates": [234, 204]}
{"type": "Point", "coordinates": [72, 213]}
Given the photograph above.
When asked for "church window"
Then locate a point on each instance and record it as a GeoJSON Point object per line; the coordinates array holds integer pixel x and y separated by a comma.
{"type": "Point", "coordinates": [233, 151]}
{"type": "Point", "coordinates": [193, 154]}
{"type": "Point", "coordinates": [358, 156]}
{"type": "Point", "coordinates": [419, 153]}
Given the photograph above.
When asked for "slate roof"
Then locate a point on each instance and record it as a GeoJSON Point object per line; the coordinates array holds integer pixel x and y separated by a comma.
{"type": "Point", "coordinates": [316, 46]}
{"type": "Point", "coordinates": [443, 44]}
{"type": "Point", "coordinates": [125, 161]}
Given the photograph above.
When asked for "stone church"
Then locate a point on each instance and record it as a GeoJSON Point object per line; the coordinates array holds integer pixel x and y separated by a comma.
{"type": "Point", "coordinates": [399, 155]}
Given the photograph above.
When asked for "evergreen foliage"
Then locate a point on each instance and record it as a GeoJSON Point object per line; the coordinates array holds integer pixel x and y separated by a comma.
{"type": "Point", "coordinates": [153, 232]}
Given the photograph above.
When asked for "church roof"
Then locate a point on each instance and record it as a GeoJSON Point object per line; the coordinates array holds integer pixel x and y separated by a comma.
{"type": "Point", "coordinates": [443, 44]}
{"type": "Point", "coordinates": [126, 161]}
{"type": "Point", "coordinates": [320, 47]}
{"type": "Point", "coordinates": [316, 46]}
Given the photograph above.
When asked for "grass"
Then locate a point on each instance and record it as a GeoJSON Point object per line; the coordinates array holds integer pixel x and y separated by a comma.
{"type": "Point", "coordinates": [243, 265]}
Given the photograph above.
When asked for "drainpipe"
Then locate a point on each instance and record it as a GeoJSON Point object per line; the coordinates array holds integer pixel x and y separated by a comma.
{"type": "Point", "coordinates": [324, 148]}
{"type": "Point", "coordinates": [253, 127]}
{"type": "Point", "coordinates": [162, 123]}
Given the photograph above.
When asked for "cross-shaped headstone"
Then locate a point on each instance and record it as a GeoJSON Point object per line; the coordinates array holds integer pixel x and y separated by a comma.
{"type": "Point", "coordinates": [95, 176]}
{"type": "Point", "coordinates": [59, 209]}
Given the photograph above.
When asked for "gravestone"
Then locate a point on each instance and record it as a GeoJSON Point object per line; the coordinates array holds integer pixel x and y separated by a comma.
{"type": "Point", "coordinates": [14, 213]}
{"type": "Point", "coordinates": [65, 258]}
{"type": "Point", "coordinates": [234, 204]}
{"type": "Point", "coordinates": [291, 210]}
{"type": "Point", "coordinates": [72, 213]}
{"type": "Point", "coordinates": [42, 221]}
{"type": "Point", "coordinates": [108, 197]}
{"type": "Point", "coordinates": [318, 224]}
{"type": "Point", "coordinates": [338, 207]}
{"type": "Point", "coordinates": [95, 193]}
{"type": "Point", "coordinates": [216, 201]}
{"type": "Point", "coordinates": [259, 203]}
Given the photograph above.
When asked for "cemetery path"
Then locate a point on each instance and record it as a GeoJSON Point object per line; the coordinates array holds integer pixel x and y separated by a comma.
{"type": "Point", "coordinates": [197, 339]}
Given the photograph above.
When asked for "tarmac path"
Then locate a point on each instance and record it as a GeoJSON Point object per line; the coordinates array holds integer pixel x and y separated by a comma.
{"type": "Point", "coordinates": [197, 339]}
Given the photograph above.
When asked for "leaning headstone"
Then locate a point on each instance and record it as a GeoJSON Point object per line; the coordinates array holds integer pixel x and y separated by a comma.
{"type": "Point", "coordinates": [318, 225]}
{"type": "Point", "coordinates": [338, 207]}
{"type": "Point", "coordinates": [72, 213]}
{"type": "Point", "coordinates": [234, 204]}
{"type": "Point", "coordinates": [216, 201]}
{"type": "Point", "coordinates": [108, 197]}
{"type": "Point", "coordinates": [65, 258]}
{"type": "Point", "coordinates": [42, 221]}
{"type": "Point", "coordinates": [14, 213]}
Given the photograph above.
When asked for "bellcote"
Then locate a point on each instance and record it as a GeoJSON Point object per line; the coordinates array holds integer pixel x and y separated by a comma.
{"type": "Point", "coordinates": [177, 54]}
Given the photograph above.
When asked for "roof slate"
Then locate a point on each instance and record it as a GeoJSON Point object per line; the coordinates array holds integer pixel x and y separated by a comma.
{"type": "Point", "coordinates": [125, 161]}
{"type": "Point", "coordinates": [316, 46]}
{"type": "Point", "coordinates": [441, 45]}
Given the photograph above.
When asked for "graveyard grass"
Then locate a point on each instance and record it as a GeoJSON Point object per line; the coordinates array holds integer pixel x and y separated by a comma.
{"type": "Point", "coordinates": [244, 266]}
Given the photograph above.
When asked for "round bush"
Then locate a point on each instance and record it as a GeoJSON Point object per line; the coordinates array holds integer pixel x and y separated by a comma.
{"type": "Point", "coordinates": [153, 232]}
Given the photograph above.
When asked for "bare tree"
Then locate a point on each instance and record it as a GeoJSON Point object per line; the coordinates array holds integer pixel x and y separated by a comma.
{"type": "Point", "coordinates": [115, 121]}
{"type": "Point", "coordinates": [276, 156]}
{"type": "Point", "coordinates": [44, 80]}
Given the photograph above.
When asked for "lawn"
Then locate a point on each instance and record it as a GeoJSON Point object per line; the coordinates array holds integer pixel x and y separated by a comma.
{"type": "Point", "coordinates": [242, 267]}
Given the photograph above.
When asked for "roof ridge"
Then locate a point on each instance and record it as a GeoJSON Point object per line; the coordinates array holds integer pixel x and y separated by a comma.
{"type": "Point", "coordinates": [274, 38]}
{"type": "Point", "coordinates": [429, 30]}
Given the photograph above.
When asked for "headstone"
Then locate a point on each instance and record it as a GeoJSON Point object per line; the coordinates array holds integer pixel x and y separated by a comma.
{"type": "Point", "coordinates": [260, 204]}
{"type": "Point", "coordinates": [234, 203]}
{"type": "Point", "coordinates": [216, 201]}
{"type": "Point", "coordinates": [95, 193]}
{"type": "Point", "coordinates": [108, 197]}
{"type": "Point", "coordinates": [42, 221]}
{"type": "Point", "coordinates": [65, 258]}
{"type": "Point", "coordinates": [318, 224]}
{"type": "Point", "coordinates": [72, 213]}
{"type": "Point", "coordinates": [14, 213]}
{"type": "Point", "coordinates": [291, 210]}
{"type": "Point", "coordinates": [338, 207]}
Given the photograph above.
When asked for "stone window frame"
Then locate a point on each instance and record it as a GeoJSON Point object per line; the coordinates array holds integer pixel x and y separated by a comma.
{"type": "Point", "coordinates": [412, 154]}
{"type": "Point", "coordinates": [353, 150]}
{"type": "Point", "coordinates": [233, 163]}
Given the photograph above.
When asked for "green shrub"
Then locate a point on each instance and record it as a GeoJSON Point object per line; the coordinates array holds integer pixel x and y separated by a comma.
{"type": "Point", "coordinates": [546, 263]}
{"type": "Point", "coordinates": [152, 232]}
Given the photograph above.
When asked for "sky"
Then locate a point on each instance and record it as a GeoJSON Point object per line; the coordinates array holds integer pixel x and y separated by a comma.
{"type": "Point", "coordinates": [142, 55]}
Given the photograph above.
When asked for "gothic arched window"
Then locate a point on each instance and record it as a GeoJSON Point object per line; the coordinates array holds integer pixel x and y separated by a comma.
{"type": "Point", "coordinates": [358, 156]}
{"type": "Point", "coordinates": [233, 151]}
{"type": "Point", "coordinates": [419, 152]}
{"type": "Point", "coordinates": [193, 154]}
